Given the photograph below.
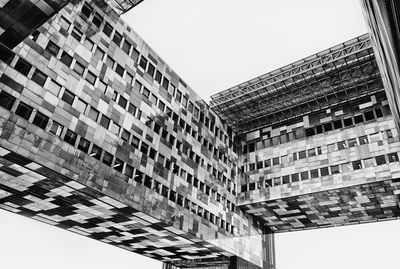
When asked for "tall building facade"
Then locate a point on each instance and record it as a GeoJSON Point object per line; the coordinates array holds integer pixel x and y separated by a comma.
{"type": "Point", "coordinates": [99, 136]}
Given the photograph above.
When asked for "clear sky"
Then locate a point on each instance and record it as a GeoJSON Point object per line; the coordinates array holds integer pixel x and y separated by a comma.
{"type": "Point", "coordinates": [213, 45]}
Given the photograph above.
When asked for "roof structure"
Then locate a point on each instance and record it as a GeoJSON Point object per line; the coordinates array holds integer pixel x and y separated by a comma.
{"type": "Point", "coordinates": [123, 6]}
{"type": "Point", "coordinates": [339, 74]}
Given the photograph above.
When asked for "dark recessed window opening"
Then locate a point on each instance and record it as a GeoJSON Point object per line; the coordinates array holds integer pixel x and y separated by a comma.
{"type": "Point", "coordinates": [68, 97]}
{"type": "Point", "coordinates": [70, 137]}
{"type": "Point", "coordinates": [39, 77]}
{"type": "Point", "coordinates": [23, 110]}
{"type": "Point", "coordinates": [23, 67]}
{"type": "Point", "coordinates": [40, 120]}
{"type": "Point", "coordinates": [6, 100]}
{"type": "Point", "coordinates": [83, 145]}
{"type": "Point", "coordinates": [107, 158]}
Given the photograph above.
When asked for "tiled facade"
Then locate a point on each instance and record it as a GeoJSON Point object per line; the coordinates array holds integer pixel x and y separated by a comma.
{"type": "Point", "coordinates": [87, 99]}
{"type": "Point", "coordinates": [99, 136]}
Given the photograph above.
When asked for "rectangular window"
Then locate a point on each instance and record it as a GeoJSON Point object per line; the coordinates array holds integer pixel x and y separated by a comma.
{"type": "Point", "coordinates": [342, 145]}
{"type": "Point", "coordinates": [99, 53]}
{"type": "Point", "coordinates": [304, 175]}
{"type": "Point", "coordinates": [380, 160]}
{"type": "Point", "coordinates": [335, 169]}
{"type": "Point", "coordinates": [348, 122]}
{"type": "Point", "coordinates": [107, 158]}
{"type": "Point", "coordinates": [93, 114]}
{"type": "Point", "coordinates": [324, 171]}
{"type": "Point", "coordinates": [96, 152]}
{"type": "Point", "coordinates": [6, 100]}
{"type": "Point", "coordinates": [165, 83]}
{"type": "Point", "coordinates": [151, 69]}
{"type": "Point", "coordinates": [52, 48]}
{"type": "Point", "coordinates": [66, 59]}
{"type": "Point", "coordinates": [110, 62]}
{"type": "Point", "coordinates": [78, 68]}
{"type": "Point", "coordinates": [91, 78]}
{"type": "Point", "coordinates": [314, 173]}
{"type": "Point", "coordinates": [119, 70]}
{"type": "Point", "coordinates": [146, 92]}
{"type": "Point", "coordinates": [23, 110]}
{"type": "Point", "coordinates": [337, 124]}
{"type": "Point", "coordinates": [53, 87]}
{"type": "Point", "coordinates": [23, 67]}
{"type": "Point", "coordinates": [70, 137]}
{"type": "Point", "coordinates": [393, 157]}
{"type": "Point", "coordinates": [352, 142]}
{"type": "Point", "coordinates": [312, 152]}
{"type": "Point", "coordinates": [56, 128]}
{"type": "Point", "coordinates": [122, 102]}
{"type": "Point", "coordinates": [83, 145]}
{"type": "Point", "coordinates": [302, 154]}
{"type": "Point", "coordinates": [328, 126]}
{"type": "Point", "coordinates": [126, 47]}
{"type": "Point", "coordinates": [115, 128]}
{"type": "Point", "coordinates": [97, 19]}
{"type": "Point", "coordinates": [77, 34]}
{"type": "Point", "coordinates": [107, 29]}
{"type": "Point", "coordinates": [135, 141]}
{"type": "Point", "coordinates": [295, 177]}
{"type": "Point", "coordinates": [357, 165]}
{"type": "Point", "coordinates": [40, 120]}
{"type": "Point", "coordinates": [143, 63]}
{"type": "Point", "coordinates": [117, 38]}
{"type": "Point", "coordinates": [105, 121]}
{"type": "Point", "coordinates": [158, 77]}
{"type": "Point", "coordinates": [68, 97]}
{"type": "Point", "coordinates": [137, 86]}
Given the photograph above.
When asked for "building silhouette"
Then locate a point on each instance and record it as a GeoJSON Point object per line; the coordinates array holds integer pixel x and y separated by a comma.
{"type": "Point", "coordinates": [99, 136]}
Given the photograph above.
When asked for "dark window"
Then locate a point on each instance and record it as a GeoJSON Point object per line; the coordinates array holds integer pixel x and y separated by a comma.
{"type": "Point", "coordinates": [52, 48]}
{"type": "Point", "coordinates": [310, 132]}
{"type": "Point", "coordinates": [324, 171]}
{"type": "Point", "coordinates": [165, 83]}
{"type": "Point", "coordinates": [158, 76]}
{"type": "Point", "coordinates": [335, 169]}
{"type": "Point", "coordinates": [70, 137]}
{"type": "Point", "coordinates": [337, 124]}
{"type": "Point", "coordinates": [328, 127]}
{"type": "Point", "coordinates": [151, 70]}
{"type": "Point", "coordinates": [358, 119]}
{"type": "Point", "coordinates": [135, 141]}
{"type": "Point", "coordinates": [66, 59]}
{"type": "Point", "coordinates": [294, 156]}
{"type": "Point", "coordinates": [122, 102]}
{"type": "Point", "coordinates": [144, 148]}
{"type": "Point", "coordinates": [119, 70]}
{"type": "Point", "coordinates": [77, 34]}
{"type": "Point", "coordinates": [97, 20]}
{"type": "Point", "coordinates": [378, 112]}
{"type": "Point", "coordinates": [319, 129]}
{"type": "Point", "coordinates": [24, 110]}
{"type": "Point", "coordinates": [164, 191]}
{"type": "Point", "coordinates": [304, 175]}
{"type": "Point", "coordinates": [146, 92]}
{"type": "Point", "coordinates": [380, 160]}
{"type": "Point", "coordinates": [348, 122]}
{"type": "Point", "coordinates": [393, 157]}
{"type": "Point", "coordinates": [267, 163]}
{"type": "Point", "coordinates": [68, 97]}
{"type": "Point", "coordinates": [83, 144]}
{"type": "Point", "coordinates": [105, 121]}
{"type": "Point", "coordinates": [312, 152]}
{"type": "Point", "coordinates": [96, 152]}
{"type": "Point", "coordinates": [86, 10]}
{"type": "Point", "coordinates": [129, 170]}
{"type": "Point", "coordinates": [275, 161]}
{"type": "Point", "coordinates": [107, 29]}
{"type": "Point", "coordinates": [357, 165]}
{"type": "Point", "coordinates": [6, 55]}
{"type": "Point", "coordinates": [147, 181]}
{"type": "Point", "coordinates": [342, 145]}
{"type": "Point", "coordinates": [302, 154]}
{"type": "Point", "coordinates": [23, 67]}
{"type": "Point", "coordinates": [117, 38]}
{"type": "Point", "coordinates": [314, 173]}
{"type": "Point", "coordinates": [295, 177]}
{"type": "Point", "coordinates": [91, 78]}
{"type": "Point", "coordinates": [369, 115]}
{"type": "Point", "coordinates": [6, 100]}
{"type": "Point", "coordinates": [143, 63]}
{"type": "Point", "coordinates": [286, 179]}
{"type": "Point", "coordinates": [78, 68]}
{"type": "Point", "coordinates": [139, 177]}
{"type": "Point", "coordinates": [363, 140]}
{"type": "Point", "coordinates": [135, 54]}
{"type": "Point", "coordinates": [125, 135]}
{"type": "Point", "coordinates": [107, 158]}
{"type": "Point", "coordinates": [118, 165]}
{"type": "Point", "coordinates": [39, 77]}
{"type": "Point", "coordinates": [40, 120]}
{"type": "Point", "coordinates": [126, 47]}
{"type": "Point", "coordinates": [64, 23]}
{"type": "Point", "coordinates": [152, 153]}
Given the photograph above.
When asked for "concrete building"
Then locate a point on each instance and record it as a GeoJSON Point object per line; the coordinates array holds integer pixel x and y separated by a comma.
{"type": "Point", "coordinates": [99, 136]}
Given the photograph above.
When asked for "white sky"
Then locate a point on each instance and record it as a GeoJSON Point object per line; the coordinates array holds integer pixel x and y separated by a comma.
{"type": "Point", "coordinates": [213, 45]}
